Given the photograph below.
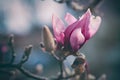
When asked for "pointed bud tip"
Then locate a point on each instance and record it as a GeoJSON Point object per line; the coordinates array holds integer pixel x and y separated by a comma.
{"type": "Point", "coordinates": [30, 46]}
{"type": "Point", "coordinates": [11, 39]}
{"type": "Point", "coordinates": [42, 45]}
{"type": "Point", "coordinates": [11, 35]}
{"type": "Point", "coordinates": [27, 50]}
{"type": "Point", "coordinates": [46, 29]}
{"type": "Point", "coordinates": [45, 26]}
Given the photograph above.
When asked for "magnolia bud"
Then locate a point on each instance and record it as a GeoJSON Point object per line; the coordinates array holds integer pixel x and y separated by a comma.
{"type": "Point", "coordinates": [26, 54]}
{"type": "Point", "coordinates": [48, 39]}
{"type": "Point", "coordinates": [28, 50]}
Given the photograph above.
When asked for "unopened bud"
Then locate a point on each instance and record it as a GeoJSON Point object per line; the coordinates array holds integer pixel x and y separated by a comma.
{"type": "Point", "coordinates": [26, 54]}
{"type": "Point", "coordinates": [11, 40]}
{"type": "Point", "coordinates": [48, 39]}
{"type": "Point", "coordinates": [28, 50]}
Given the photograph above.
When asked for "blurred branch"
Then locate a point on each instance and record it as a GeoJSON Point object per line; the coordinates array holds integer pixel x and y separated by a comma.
{"type": "Point", "coordinates": [61, 68]}
{"type": "Point", "coordinates": [11, 46]}
{"type": "Point", "coordinates": [94, 4]}
{"type": "Point", "coordinates": [78, 65]}
{"type": "Point", "coordinates": [23, 70]}
{"type": "Point", "coordinates": [31, 75]}
{"type": "Point", "coordinates": [6, 67]}
{"type": "Point", "coordinates": [76, 6]}
{"type": "Point", "coordinates": [6, 72]}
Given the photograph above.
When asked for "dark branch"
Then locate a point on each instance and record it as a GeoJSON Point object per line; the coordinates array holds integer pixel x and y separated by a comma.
{"type": "Point", "coordinates": [24, 71]}
{"type": "Point", "coordinates": [73, 4]}
{"type": "Point", "coordinates": [94, 4]}
{"type": "Point", "coordinates": [61, 69]}
{"type": "Point", "coordinates": [11, 46]}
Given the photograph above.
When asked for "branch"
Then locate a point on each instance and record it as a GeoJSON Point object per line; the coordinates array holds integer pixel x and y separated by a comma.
{"type": "Point", "coordinates": [74, 4]}
{"type": "Point", "coordinates": [23, 70]}
{"type": "Point", "coordinates": [11, 46]}
{"type": "Point", "coordinates": [31, 75]}
{"type": "Point", "coordinates": [61, 70]}
{"type": "Point", "coordinates": [94, 4]}
{"type": "Point", "coordinates": [25, 58]}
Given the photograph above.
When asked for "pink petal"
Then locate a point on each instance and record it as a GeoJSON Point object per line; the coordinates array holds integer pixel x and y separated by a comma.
{"type": "Point", "coordinates": [70, 19]}
{"type": "Point", "coordinates": [68, 32]}
{"type": "Point", "coordinates": [93, 26]}
{"type": "Point", "coordinates": [85, 15]}
{"type": "Point", "coordinates": [84, 22]}
{"type": "Point", "coordinates": [77, 39]}
{"type": "Point", "coordinates": [58, 28]}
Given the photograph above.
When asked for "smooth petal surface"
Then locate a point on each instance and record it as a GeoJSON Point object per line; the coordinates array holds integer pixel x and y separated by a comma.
{"type": "Point", "coordinates": [69, 31]}
{"type": "Point", "coordinates": [58, 28]}
{"type": "Point", "coordinates": [70, 19]}
{"type": "Point", "coordinates": [93, 26]}
{"type": "Point", "coordinates": [84, 22]}
{"type": "Point", "coordinates": [76, 39]}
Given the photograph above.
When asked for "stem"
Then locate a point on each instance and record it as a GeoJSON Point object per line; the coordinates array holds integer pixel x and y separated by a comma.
{"type": "Point", "coordinates": [61, 68]}
{"type": "Point", "coordinates": [31, 75]}
{"type": "Point", "coordinates": [13, 54]}
{"type": "Point", "coordinates": [11, 45]}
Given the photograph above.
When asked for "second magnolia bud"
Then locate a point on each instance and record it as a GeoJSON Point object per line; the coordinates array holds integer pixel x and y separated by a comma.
{"type": "Point", "coordinates": [48, 39]}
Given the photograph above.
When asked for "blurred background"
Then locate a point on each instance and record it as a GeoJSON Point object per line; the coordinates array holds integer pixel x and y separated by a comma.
{"type": "Point", "coordinates": [25, 19]}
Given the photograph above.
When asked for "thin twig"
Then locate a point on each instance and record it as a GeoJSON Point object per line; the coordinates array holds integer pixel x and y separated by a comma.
{"type": "Point", "coordinates": [93, 4]}
{"type": "Point", "coordinates": [11, 46]}
{"type": "Point", "coordinates": [61, 68]}
{"type": "Point", "coordinates": [6, 72]}
{"type": "Point", "coordinates": [79, 7]}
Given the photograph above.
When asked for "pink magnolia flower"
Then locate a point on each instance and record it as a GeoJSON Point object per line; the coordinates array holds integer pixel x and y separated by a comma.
{"type": "Point", "coordinates": [77, 32]}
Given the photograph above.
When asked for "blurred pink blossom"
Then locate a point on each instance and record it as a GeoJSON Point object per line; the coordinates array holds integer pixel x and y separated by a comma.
{"type": "Point", "coordinates": [4, 49]}
{"type": "Point", "coordinates": [77, 32]}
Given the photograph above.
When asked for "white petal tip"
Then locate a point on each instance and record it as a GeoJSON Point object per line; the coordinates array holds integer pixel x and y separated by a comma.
{"type": "Point", "coordinates": [89, 11]}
